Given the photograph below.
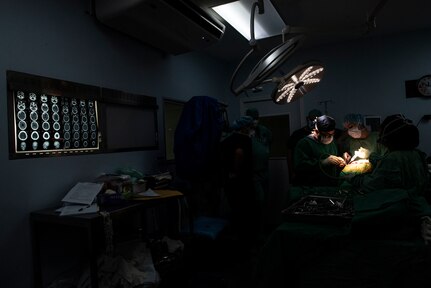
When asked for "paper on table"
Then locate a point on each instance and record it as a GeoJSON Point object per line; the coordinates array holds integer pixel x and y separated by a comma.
{"type": "Point", "coordinates": [78, 209]}
{"type": "Point", "coordinates": [83, 193]}
{"type": "Point", "coordinates": [149, 193]}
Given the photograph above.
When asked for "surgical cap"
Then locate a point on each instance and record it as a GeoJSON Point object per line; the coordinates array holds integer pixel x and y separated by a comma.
{"type": "Point", "coordinates": [252, 112]}
{"type": "Point", "coordinates": [243, 121]}
{"type": "Point", "coordinates": [399, 133]}
{"type": "Point", "coordinates": [325, 123]}
{"type": "Point", "coordinates": [354, 119]}
{"type": "Point", "coordinates": [314, 113]}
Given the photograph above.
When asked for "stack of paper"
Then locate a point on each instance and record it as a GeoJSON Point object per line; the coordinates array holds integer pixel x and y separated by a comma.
{"type": "Point", "coordinates": [81, 199]}
{"type": "Point", "coordinates": [148, 193]}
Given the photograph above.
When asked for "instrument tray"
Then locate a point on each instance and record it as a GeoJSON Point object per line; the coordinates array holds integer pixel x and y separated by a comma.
{"type": "Point", "coordinates": [315, 208]}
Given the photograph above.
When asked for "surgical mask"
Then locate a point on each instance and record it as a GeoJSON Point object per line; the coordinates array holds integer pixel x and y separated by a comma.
{"type": "Point", "coordinates": [355, 133]}
{"type": "Point", "coordinates": [326, 139]}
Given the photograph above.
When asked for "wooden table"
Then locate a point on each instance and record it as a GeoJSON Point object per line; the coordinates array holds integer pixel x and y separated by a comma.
{"type": "Point", "coordinates": [90, 224]}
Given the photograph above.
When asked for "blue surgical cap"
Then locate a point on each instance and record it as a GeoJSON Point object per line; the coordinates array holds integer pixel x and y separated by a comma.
{"type": "Point", "coordinates": [354, 119]}
{"type": "Point", "coordinates": [242, 122]}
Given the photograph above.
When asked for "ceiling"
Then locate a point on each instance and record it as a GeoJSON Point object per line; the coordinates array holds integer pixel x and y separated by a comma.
{"type": "Point", "coordinates": [325, 22]}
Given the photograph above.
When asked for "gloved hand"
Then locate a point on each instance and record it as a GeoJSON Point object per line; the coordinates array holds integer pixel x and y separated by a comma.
{"type": "Point", "coordinates": [426, 229]}
{"type": "Point", "coordinates": [346, 157]}
{"type": "Point", "coordinates": [362, 153]}
{"type": "Point", "coordinates": [334, 160]}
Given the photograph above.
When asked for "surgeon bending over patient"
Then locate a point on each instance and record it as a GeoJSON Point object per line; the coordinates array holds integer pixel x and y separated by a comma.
{"type": "Point", "coordinates": [315, 158]}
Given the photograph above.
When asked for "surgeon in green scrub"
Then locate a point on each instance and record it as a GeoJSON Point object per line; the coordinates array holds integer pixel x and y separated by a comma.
{"type": "Point", "coordinates": [403, 166]}
{"type": "Point", "coordinates": [357, 137]}
{"type": "Point", "coordinates": [315, 159]}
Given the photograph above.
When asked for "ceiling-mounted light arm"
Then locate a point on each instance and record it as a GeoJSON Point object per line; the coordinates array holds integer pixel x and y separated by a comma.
{"type": "Point", "coordinates": [271, 80]}
{"type": "Point", "coordinates": [252, 42]}
{"type": "Point", "coordinates": [270, 62]}
{"type": "Point", "coordinates": [261, 10]}
{"type": "Point", "coordinates": [267, 65]}
{"type": "Point", "coordinates": [238, 90]}
{"type": "Point", "coordinates": [371, 19]}
{"type": "Point", "coordinates": [284, 32]}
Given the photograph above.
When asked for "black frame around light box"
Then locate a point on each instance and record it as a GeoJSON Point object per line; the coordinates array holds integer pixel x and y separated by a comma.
{"type": "Point", "coordinates": [122, 121]}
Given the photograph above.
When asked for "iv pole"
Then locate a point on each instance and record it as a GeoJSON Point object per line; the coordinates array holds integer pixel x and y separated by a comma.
{"type": "Point", "coordinates": [325, 103]}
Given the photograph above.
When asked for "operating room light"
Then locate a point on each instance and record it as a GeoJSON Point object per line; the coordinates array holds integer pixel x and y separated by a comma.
{"type": "Point", "coordinates": [289, 87]}
{"type": "Point", "coordinates": [268, 64]}
{"type": "Point", "coordinates": [297, 83]}
{"type": "Point", "coordinates": [238, 13]}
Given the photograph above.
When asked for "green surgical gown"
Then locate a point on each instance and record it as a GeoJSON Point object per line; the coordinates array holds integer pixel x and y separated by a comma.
{"type": "Point", "coordinates": [369, 143]}
{"type": "Point", "coordinates": [307, 163]}
{"type": "Point", "coordinates": [397, 169]}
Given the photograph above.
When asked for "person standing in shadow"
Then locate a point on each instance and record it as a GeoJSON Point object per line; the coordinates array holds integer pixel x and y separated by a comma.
{"type": "Point", "coordinates": [237, 171]}
{"type": "Point", "coordinates": [261, 140]}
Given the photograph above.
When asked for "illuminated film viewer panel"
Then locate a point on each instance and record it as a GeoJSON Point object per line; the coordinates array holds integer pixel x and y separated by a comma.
{"type": "Point", "coordinates": [53, 117]}
{"type": "Point", "coordinates": [49, 124]}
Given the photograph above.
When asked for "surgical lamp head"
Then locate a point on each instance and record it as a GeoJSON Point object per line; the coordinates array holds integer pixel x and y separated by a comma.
{"type": "Point", "coordinates": [297, 83]}
{"type": "Point", "coordinates": [290, 87]}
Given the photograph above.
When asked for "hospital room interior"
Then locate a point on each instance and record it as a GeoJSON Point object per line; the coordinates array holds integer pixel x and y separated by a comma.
{"type": "Point", "coordinates": [215, 143]}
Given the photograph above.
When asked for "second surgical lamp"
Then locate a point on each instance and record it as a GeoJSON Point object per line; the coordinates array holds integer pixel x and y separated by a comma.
{"type": "Point", "coordinates": [290, 87]}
